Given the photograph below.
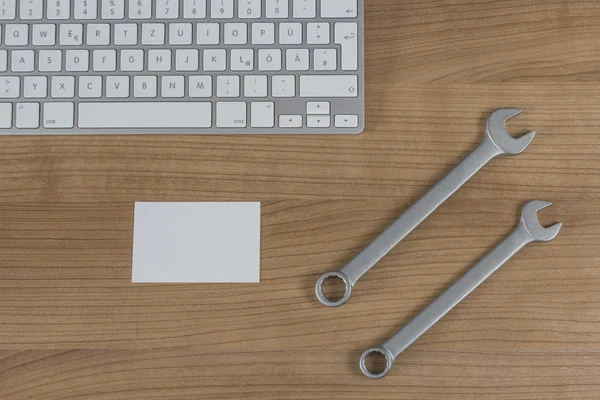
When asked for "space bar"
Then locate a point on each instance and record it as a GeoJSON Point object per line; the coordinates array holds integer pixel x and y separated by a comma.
{"type": "Point", "coordinates": [145, 115]}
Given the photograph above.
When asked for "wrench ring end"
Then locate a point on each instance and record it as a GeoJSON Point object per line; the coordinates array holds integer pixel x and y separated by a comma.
{"type": "Point", "coordinates": [389, 360]}
{"type": "Point", "coordinates": [319, 289]}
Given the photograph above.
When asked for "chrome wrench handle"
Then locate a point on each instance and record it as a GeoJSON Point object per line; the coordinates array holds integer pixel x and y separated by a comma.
{"type": "Point", "coordinates": [496, 142]}
{"type": "Point", "coordinates": [529, 230]}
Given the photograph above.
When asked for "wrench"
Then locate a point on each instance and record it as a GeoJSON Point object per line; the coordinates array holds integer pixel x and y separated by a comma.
{"type": "Point", "coordinates": [529, 230]}
{"type": "Point", "coordinates": [497, 142]}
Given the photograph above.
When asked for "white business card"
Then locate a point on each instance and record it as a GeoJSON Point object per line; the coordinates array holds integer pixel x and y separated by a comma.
{"type": "Point", "coordinates": [208, 242]}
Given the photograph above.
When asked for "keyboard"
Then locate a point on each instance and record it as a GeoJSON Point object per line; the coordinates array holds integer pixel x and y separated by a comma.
{"type": "Point", "coordinates": [181, 67]}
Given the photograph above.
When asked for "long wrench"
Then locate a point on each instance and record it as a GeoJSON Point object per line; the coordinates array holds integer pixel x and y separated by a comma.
{"type": "Point", "coordinates": [529, 230]}
{"type": "Point", "coordinates": [497, 142]}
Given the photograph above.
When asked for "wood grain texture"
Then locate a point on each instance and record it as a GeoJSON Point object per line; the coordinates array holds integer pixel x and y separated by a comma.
{"type": "Point", "coordinates": [72, 326]}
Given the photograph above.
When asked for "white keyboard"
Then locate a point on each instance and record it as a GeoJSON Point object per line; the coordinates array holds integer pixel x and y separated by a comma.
{"type": "Point", "coordinates": [181, 66]}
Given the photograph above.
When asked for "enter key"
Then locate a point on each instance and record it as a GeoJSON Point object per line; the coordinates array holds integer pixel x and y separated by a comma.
{"type": "Point", "coordinates": [346, 35]}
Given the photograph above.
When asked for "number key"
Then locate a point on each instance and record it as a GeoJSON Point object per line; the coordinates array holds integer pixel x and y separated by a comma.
{"type": "Point", "coordinates": [58, 9]}
{"type": "Point", "coordinates": [140, 9]}
{"type": "Point", "coordinates": [167, 9]}
{"type": "Point", "coordinates": [221, 8]}
{"type": "Point", "coordinates": [194, 9]}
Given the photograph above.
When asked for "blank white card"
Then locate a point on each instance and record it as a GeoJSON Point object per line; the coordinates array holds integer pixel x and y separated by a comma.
{"type": "Point", "coordinates": [196, 242]}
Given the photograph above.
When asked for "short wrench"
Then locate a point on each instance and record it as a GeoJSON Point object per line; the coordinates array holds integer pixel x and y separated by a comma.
{"type": "Point", "coordinates": [529, 230]}
{"type": "Point", "coordinates": [497, 142]}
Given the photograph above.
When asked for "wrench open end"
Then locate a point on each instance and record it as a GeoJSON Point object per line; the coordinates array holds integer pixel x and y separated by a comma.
{"type": "Point", "coordinates": [497, 133]}
{"type": "Point", "coordinates": [389, 360]}
{"type": "Point", "coordinates": [327, 301]}
{"type": "Point", "coordinates": [531, 222]}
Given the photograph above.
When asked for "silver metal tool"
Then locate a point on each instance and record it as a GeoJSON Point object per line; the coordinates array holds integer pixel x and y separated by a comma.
{"type": "Point", "coordinates": [497, 142]}
{"type": "Point", "coordinates": [529, 230]}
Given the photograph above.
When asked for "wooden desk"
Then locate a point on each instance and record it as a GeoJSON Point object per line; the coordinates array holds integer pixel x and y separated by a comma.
{"type": "Point", "coordinates": [72, 326]}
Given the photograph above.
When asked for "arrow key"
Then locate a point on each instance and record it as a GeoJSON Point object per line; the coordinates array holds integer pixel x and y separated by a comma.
{"type": "Point", "coordinates": [318, 121]}
{"type": "Point", "coordinates": [317, 108]}
{"type": "Point", "coordinates": [290, 121]}
{"type": "Point", "coordinates": [346, 121]}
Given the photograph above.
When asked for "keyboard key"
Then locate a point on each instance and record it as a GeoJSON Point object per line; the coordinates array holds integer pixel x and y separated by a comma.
{"type": "Point", "coordinates": [153, 34]}
{"type": "Point", "coordinates": [132, 60]}
{"type": "Point", "coordinates": [215, 60]}
{"type": "Point", "coordinates": [325, 60]}
{"type": "Point", "coordinates": [318, 121]}
{"type": "Point", "coordinates": [290, 121]}
{"type": "Point", "coordinates": [140, 9]}
{"type": "Point", "coordinates": [125, 34]}
{"type": "Point", "coordinates": [77, 61]}
{"type": "Point", "coordinates": [10, 87]}
{"type": "Point", "coordinates": [262, 115]}
{"type": "Point", "coordinates": [346, 121]}
{"type": "Point", "coordinates": [58, 9]}
{"type": "Point", "coordinates": [317, 33]}
{"type": "Point", "coordinates": [5, 114]}
{"type": "Point", "coordinates": [277, 9]}
{"type": "Point", "coordinates": [58, 115]}
{"type": "Point", "coordinates": [90, 87]}
{"type": "Point", "coordinates": [28, 115]}
{"type": "Point", "coordinates": [35, 87]}
{"type": "Point", "coordinates": [105, 60]}
{"type": "Point", "coordinates": [22, 61]}
{"type": "Point", "coordinates": [117, 87]}
{"type": "Point", "coordinates": [50, 60]}
{"type": "Point", "coordinates": [236, 34]}
{"type": "Point", "coordinates": [16, 35]}
{"type": "Point", "coordinates": [44, 35]}
{"type": "Point", "coordinates": [200, 86]}
{"type": "Point", "coordinates": [242, 60]}
{"type": "Point", "coordinates": [159, 60]}
{"type": "Point", "coordinates": [145, 115]}
{"type": "Point", "coordinates": [3, 60]}
{"type": "Point", "coordinates": [180, 34]}
{"type": "Point", "coordinates": [8, 10]}
{"type": "Point", "coordinates": [221, 9]}
{"type": "Point", "coordinates": [339, 8]}
{"type": "Point", "coordinates": [290, 33]}
{"type": "Point", "coordinates": [31, 9]}
{"type": "Point", "coordinates": [71, 35]}
{"type": "Point", "coordinates": [346, 35]}
{"type": "Point", "coordinates": [305, 8]}
{"type": "Point", "coordinates": [111, 9]}
{"type": "Point", "coordinates": [255, 86]}
{"type": "Point", "coordinates": [231, 115]}
{"type": "Point", "coordinates": [263, 33]}
{"type": "Point", "coordinates": [228, 86]}
{"type": "Point", "coordinates": [98, 34]}
{"type": "Point", "coordinates": [144, 86]}
{"type": "Point", "coordinates": [296, 60]}
{"type": "Point", "coordinates": [186, 59]}
{"type": "Point", "coordinates": [249, 8]}
{"type": "Point", "coordinates": [167, 9]}
{"type": "Point", "coordinates": [207, 33]}
{"type": "Point", "coordinates": [172, 86]}
{"type": "Point", "coordinates": [269, 59]}
{"type": "Point", "coordinates": [194, 9]}
{"type": "Point", "coordinates": [63, 87]}
{"type": "Point", "coordinates": [284, 86]}
{"type": "Point", "coordinates": [87, 9]}
{"type": "Point", "coordinates": [329, 86]}
{"type": "Point", "coordinates": [318, 107]}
